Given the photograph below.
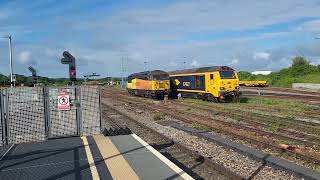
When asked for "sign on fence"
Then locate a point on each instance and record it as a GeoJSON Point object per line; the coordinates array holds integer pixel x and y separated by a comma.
{"type": "Point", "coordinates": [64, 100]}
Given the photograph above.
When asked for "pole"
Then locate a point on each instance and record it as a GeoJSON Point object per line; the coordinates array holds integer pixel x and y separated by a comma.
{"type": "Point", "coordinates": [145, 66]}
{"type": "Point", "coordinates": [122, 69]}
{"type": "Point", "coordinates": [10, 56]}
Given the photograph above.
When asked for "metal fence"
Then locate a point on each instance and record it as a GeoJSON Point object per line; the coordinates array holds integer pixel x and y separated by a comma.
{"type": "Point", "coordinates": [31, 114]}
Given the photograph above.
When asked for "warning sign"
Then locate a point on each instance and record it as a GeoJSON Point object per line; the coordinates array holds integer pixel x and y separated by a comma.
{"type": "Point", "coordinates": [64, 101]}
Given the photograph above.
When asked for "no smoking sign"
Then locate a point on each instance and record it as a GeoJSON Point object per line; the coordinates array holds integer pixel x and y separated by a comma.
{"type": "Point", "coordinates": [64, 102]}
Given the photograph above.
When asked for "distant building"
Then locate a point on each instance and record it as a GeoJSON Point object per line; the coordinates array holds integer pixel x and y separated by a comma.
{"type": "Point", "coordinates": [261, 72]}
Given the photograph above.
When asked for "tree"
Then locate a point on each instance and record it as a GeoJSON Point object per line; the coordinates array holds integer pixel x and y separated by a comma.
{"type": "Point", "coordinates": [299, 61]}
{"type": "Point", "coordinates": [4, 80]}
{"type": "Point", "coordinates": [300, 67]}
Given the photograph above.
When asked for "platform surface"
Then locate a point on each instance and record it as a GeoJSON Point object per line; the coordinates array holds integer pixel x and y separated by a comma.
{"type": "Point", "coordinates": [91, 157]}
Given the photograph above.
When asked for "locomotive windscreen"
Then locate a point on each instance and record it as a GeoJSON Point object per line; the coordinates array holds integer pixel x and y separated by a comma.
{"type": "Point", "coordinates": [227, 75]}
{"type": "Point", "coordinates": [160, 77]}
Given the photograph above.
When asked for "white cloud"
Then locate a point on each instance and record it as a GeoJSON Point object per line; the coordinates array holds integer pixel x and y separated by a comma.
{"type": "Point", "coordinates": [235, 61]}
{"type": "Point", "coordinates": [173, 64]}
{"type": "Point", "coordinates": [261, 55]}
{"type": "Point", "coordinates": [24, 57]}
{"type": "Point", "coordinates": [208, 15]}
{"type": "Point", "coordinates": [311, 26]}
{"type": "Point", "coordinates": [160, 34]}
{"type": "Point", "coordinates": [195, 63]}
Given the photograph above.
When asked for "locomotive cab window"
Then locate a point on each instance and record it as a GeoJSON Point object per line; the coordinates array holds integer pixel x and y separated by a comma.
{"type": "Point", "coordinates": [160, 77]}
{"type": "Point", "coordinates": [211, 76]}
{"type": "Point", "coordinates": [227, 75]}
{"type": "Point", "coordinates": [199, 81]}
{"type": "Point", "coordinates": [129, 79]}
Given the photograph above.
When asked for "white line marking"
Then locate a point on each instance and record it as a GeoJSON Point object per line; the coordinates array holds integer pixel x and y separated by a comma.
{"type": "Point", "coordinates": [174, 167]}
{"type": "Point", "coordinates": [93, 168]}
{"type": "Point", "coordinates": [6, 152]}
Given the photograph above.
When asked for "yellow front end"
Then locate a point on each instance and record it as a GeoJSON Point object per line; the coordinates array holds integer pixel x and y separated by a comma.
{"type": "Point", "coordinates": [222, 87]}
{"type": "Point", "coordinates": [160, 85]}
{"type": "Point", "coordinates": [132, 84]}
{"type": "Point", "coordinates": [229, 87]}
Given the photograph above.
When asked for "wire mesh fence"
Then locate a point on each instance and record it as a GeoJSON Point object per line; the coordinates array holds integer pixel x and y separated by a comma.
{"type": "Point", "coordinates": [25, 115]}
{"type": "Point", "coordinates": [90, 109]}
{"type": "Point", "coordinates": [32, 114]}
{"type": "Point", "coordinates": [62, 123]}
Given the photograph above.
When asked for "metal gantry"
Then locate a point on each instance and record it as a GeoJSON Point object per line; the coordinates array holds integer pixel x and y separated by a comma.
{"type": "Point", "coordinates": [87, 76]}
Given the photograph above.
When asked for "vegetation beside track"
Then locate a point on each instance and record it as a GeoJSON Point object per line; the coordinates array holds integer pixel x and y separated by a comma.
{"type": "Point", "coordinates": [288, 107]}
{"type": "Point", "coordinates": [301, 71]}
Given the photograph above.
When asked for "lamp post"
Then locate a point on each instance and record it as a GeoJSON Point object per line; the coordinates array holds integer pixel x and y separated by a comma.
{"type": "Point", "coordinates": [184, 62]}
{"type": "Point", "coordinates": [10, 58]}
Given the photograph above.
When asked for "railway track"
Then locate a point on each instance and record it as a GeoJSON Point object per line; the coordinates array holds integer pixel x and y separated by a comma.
{"type": "Point", "coordinates": [224, 127]}
{"type": "Point", "coordinates": [197, 166]}
{"type": "Point", "coordinates": [309, 97]}
{"type": "Point", "coordinates": [243, 115]}
{"type": "Point", "coordinates": [283, 90]}
{"type": "Point", "coordinates": [260, 122]}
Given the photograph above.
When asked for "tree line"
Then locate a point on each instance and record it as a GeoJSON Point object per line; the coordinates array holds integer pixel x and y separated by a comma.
{"type": "Point", "coordinates": [27, 80]}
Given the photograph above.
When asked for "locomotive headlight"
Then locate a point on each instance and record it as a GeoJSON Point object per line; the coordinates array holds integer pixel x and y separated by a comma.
{"type": "Point", "coordinates": [222, 88]}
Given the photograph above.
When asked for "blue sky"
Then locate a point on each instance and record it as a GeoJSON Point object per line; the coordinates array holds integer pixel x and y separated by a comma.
{"type": "Point", "coordinates": [248, 35]}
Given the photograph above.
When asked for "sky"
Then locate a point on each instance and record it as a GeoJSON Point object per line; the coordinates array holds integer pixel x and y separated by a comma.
{"type": "Point", "coordinates": [168, 35]}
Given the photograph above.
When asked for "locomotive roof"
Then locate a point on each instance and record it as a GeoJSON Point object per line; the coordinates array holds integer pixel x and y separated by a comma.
{"type": "Point", "coordinates": [201, 70]}
{"type": "Point", "coordinates": [148, 73]}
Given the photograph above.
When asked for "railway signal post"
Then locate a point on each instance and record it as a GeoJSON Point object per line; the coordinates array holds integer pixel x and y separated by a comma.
{"type": "Point", "coordinates": [69, 59]}
{"type": "Point", "coordinates": [34, 75]}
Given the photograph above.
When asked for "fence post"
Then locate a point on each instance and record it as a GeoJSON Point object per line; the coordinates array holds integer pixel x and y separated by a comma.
{"type": "Point", "coordinates": [3, 132]}
{"type": "Point", "coordinates": [100, 110]}
{"type": "Point", "coordinates": [46, 112]}
{"type": "Point", "coordinates": [6, 116]}
{"type": "Point", "coordinates": [78, 110]}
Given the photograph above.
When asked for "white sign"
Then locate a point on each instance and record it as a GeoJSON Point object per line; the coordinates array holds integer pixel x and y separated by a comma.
{"type": "Point", "coordinates": [64, 102]}
{"type": "Point", "coordinates": [14, 78]}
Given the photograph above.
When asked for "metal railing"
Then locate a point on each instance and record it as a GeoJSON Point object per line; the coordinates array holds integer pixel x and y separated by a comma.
{"type": "Point", "coordinates": [31, 114]}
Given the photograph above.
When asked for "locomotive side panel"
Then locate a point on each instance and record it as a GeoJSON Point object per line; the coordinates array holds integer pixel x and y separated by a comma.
{"type": "Point", "coordinates": [188, 82]}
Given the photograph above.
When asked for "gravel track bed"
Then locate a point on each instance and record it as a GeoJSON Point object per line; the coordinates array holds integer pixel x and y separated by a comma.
{"type": "Point", "coordinates": [268, 173]}
{"type": "Point", "coordinates": [226, 157]}
{"type": "Point", "coordinates": [267, 150]}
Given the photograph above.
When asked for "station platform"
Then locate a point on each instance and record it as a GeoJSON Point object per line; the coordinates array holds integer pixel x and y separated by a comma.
{"type": "Point", "coordinates": [88, 157]}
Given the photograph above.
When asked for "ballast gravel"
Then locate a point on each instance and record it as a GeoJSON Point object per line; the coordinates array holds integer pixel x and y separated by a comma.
{"type": "Point", "coordinates": [230, 159]}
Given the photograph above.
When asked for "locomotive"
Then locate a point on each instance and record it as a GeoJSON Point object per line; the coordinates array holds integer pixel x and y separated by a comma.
{"type": "Point", "coordinates": [215, 83]}
{"type": "Point", "coordinates": [153, 84]}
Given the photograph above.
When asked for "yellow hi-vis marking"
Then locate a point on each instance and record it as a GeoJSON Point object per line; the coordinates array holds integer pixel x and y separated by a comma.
{"type": "Point", "coordinates": [117, 165]}
{"type": "Point", "coordinates": [93, 168]}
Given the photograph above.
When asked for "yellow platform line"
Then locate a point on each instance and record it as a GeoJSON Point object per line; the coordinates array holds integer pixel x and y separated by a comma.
{"type": "Point", "coordinates": [117, 165]}
{"type": "Point", "coordinates": [93, 168]}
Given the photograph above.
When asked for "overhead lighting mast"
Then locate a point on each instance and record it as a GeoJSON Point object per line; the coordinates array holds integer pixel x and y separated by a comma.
{"type": "Point", "coordinates": [10, 57]}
